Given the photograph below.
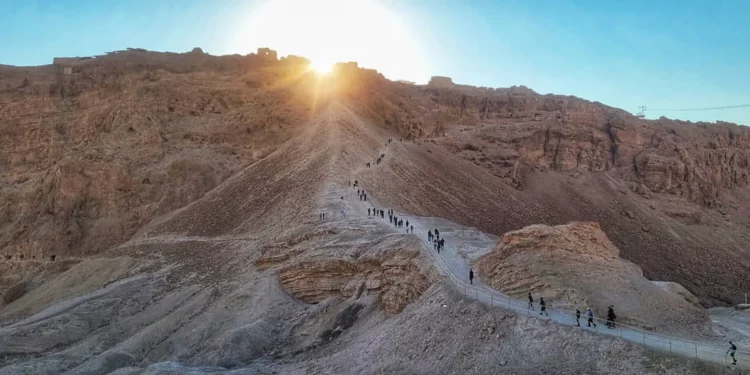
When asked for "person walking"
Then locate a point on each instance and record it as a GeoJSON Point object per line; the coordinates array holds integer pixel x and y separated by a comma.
{"type": "Point", "coordinates": [611, 317]}
{"type": "Point", "coordinates": [437, 233]}
{"type": "Point", "coordinates": [412, 229]}
{"type": "Point", "coordinates": [543, 307]}
{"type": "Point", "coordinates": [590, 315]}
{"type": "Point", "coordinates": [368, 212]}
{"type": "Point", "coordinates": [731, 351]}
{"type": "Point", "coordinates": [531, 302]}
{"type": "Point", "coordinates": [429, 235]}
{"type": "Point", "coordinates": [471, 276]}
{"type": "Point", "coordinates": [441, 243]}
{"type": "Point", "coordinates": [578, 317]}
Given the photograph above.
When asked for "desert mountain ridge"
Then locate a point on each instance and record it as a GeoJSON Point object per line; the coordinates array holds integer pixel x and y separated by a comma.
{"type": "Point", "coordinates": [98, 147]}
{"type": "Point", "coordinates": [196, 213]}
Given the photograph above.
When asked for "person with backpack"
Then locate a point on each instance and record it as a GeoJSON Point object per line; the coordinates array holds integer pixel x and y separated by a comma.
{"type": "Point", "coordinates": [590, 315]}
{"type": "Point", "coordinates": [611, 317]}
{"type": "Point", "coordinates": [543, 307]}
{"type": "Point", "coordinates": [578, 317]}
{"type": "Point", "coordinates": [731, 351]}
{"type": "Point", "coordinates": [471, 276]}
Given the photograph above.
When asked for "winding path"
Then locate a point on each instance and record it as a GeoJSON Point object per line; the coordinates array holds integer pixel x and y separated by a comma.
{"type": "Point", "coordinates": [456, 267]}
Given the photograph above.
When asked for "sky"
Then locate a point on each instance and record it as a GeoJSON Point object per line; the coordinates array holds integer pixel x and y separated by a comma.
{"type": "Point", "coordinates": [661, 54]}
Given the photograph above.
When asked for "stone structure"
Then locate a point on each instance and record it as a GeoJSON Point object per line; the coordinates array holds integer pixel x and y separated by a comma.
{"type": "Point", "coordinates": [267, 53]}
{"type": "Point", "coordinates": [439, 81]}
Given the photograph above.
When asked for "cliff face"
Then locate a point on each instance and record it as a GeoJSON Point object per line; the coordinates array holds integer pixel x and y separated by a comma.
{"type": "Point", "coordinates": [92, 153]}
{"type": "Point", "coordinates": [514, 130]}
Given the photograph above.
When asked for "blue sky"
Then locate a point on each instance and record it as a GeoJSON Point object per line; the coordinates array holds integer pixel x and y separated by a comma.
{"type": "Point", "coordinates": [661, 54]}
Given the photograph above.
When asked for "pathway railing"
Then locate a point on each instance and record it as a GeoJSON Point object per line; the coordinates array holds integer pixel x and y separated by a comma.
{"type": "Point", "coordinates": [702, 351]}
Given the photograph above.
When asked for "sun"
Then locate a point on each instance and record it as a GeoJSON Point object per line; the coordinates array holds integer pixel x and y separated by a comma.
{"type": "Point", "coordinates": [330, 31]}
{"type": "Point", "coordinates": [321, 67]}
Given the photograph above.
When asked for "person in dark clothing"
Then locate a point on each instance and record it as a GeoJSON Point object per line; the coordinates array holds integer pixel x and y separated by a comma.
{"type": "Point", "coordinates": [365, 197]}
{"type": "Point", "coordinates": [412, 229]}
{"type": "Point", "coordinates": [368, 212]}
{"type": "Point", "coordinates": [382, 215]}
{"type": "Point", "coordinates": [442, 243]}
{"type": "Point", "coordinates": [578, 317]}
{"type": "Point", "coordinates": [434, 245]}
{"type": "Point", "coordinates": [543, 307]}
{"type": "Point", "coordinates": [731, 351]}
{"type": "Point", "coordinates": [437, 233]}
{"type": "Point", "coordinates": [401, 223]}
{"type": "Point", "coordinates": [590, 315]}
{"type": "Point", "coordinates": [471, 276]}
{"type": "Point", "coordinates": [390, 218]}
{"type": "Point", "coordinates": [531, 301]}
{"type": "Point", "coordinates": [429, 235]}
{"type": "Point", "coordinates": [611, 317]}
{"type": "Point", "coordinates": [407, 223]}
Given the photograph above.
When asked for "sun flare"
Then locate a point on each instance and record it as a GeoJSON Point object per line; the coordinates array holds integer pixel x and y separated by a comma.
{"type": "Point", "coordinates": [321, 67]}
{"type": "Point", "coordinates": [330, 31]}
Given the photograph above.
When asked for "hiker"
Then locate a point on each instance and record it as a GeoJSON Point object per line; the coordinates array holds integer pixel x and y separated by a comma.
{"type": "Point", "coordinates": [471, 276]}
{"type": "Point", "coordinates": [365, 197]}
{"type": "Point", "coordinates": [611, 317]}
{"type": "Point", "coordinates": [358, 193]}
{"type": "Point", "coordinates": [437, 233]}
{"type": "Point", "coordinates": [543, 306]}
{"type": "Point", "coordinates": [356, 183]}
{"type": "Point", "coordinates": [382, 215]}
{"type": "Point", "coordinates": [441, 243]}
{"type": "Point", "coordinates": [531, 301]}
{"type": "Point", "coordinates": [412, 229]}
{"type": "Point", "coordinates": [407, 223]}
{"type": "Point", "coordinates": [368, 212]}
{"type": "Point", "coordinates": [429, 235]}
{"type": "Point", "coordinates": [434, 245]}
{"type": "Point", "coordinates": [368, 165]}
{"type": "Point", "coordinates": [578, 317]}
{"type": "Point", "coordinates": [731, 351]}
{"type": "Point", "coordinates": [390, 218]}
{"type": "Point", "coordinates": [401, 223]}
{"type": "Point", "coordinates": [350, 183]}
{"type": "Point", "coordinates": [590, 314]}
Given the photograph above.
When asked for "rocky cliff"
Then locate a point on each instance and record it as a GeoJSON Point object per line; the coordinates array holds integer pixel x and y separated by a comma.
{"type": "Point", "coordinates": [93, 151]}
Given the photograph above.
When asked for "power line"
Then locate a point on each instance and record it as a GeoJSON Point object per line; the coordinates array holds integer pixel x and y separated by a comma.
{"type": "Point", "coordinates": [700, 109]}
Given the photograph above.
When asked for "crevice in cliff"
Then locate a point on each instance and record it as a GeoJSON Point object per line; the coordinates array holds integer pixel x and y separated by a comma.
{"type": "Point", "coordinates": [612, 144]}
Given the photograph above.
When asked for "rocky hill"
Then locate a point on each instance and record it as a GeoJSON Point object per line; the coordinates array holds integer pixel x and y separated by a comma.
{"type": "Point", "coordinates": [576, 266]}
{"type": "Point", "coordinates": [167, 210]}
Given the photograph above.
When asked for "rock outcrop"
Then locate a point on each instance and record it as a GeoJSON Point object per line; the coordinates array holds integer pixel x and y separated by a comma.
{"type": "Point", "coordinates": [577, 266]}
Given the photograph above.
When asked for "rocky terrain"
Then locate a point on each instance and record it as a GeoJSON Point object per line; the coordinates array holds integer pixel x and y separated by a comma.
{"type": "Point", "coordinates": [164, 212]}
{"type": "Point", "coordinates": [577, 266]}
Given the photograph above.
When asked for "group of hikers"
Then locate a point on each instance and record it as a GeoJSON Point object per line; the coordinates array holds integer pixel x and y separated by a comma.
{"type": "Point", "coordinates": [437, 242]}
{"type": "Point", "coordinates": [362, 195]}
{"type": "Point", "coordinates": [589, 313]}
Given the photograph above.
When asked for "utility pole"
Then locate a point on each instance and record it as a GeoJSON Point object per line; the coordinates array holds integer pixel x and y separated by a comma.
{"type": "Point", "coordinates": [642, 113]}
